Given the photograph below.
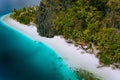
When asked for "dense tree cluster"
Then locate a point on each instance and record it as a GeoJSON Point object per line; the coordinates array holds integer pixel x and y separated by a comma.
{"type": "Point", "coordinates": [25, 15]}
{"type": "Point", "coordinates": [95, 22]}
{"type": "Point", "coordinates": [88, 21]}
{"type": "Point", "coordinates": [46, 13]}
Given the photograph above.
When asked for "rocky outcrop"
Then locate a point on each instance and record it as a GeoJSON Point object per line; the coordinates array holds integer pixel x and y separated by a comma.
{"type": "Point", "coordinates": [45, 15]}
{"type": "Point", "coordinates": [44, 19]}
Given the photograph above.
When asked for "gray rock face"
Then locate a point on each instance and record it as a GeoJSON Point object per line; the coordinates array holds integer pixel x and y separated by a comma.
{"type": "Point", "coordinates": [44, 20]}
{"type": "Point", "coordinates": [45, 15]}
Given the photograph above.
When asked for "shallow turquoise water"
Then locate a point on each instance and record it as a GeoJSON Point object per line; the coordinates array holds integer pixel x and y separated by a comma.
{"type": "Point", "coordinates": [24, 59]}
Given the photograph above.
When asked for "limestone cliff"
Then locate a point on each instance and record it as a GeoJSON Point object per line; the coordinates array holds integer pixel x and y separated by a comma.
{"type": "Point", "coordinates": [46, 12]}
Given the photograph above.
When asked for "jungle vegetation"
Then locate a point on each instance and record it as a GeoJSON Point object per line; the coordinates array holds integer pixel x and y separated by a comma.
{"type": "Point", "coordinates": [25, 15]}
{"type": "Point", "coordinates": [84, 21]}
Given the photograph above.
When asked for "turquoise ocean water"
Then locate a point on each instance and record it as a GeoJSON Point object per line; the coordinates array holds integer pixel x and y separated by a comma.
{"type": "Point", "coordinates": [24, 59]}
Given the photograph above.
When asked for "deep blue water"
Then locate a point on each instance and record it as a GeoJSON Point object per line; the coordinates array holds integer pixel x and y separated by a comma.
{"type": "Point", "coordinates": [24, 59]}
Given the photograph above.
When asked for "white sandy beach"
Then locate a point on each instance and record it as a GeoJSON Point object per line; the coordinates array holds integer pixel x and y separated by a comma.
{"type": "Point", "coordinates": [70, 54]}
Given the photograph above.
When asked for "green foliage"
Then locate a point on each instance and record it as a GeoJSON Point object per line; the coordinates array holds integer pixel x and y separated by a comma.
{"type": "Point", "coordinates": [84, 21]}
{"type": "Point", "coordinates": [25, 15]}
{"type": "Point", "coordinates": [87, 75]}
{"type": "Point", "coordinates": [93, 21]}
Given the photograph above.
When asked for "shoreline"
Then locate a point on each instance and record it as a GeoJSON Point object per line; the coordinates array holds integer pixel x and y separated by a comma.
{"type": "Point", "coordinates": [73, 56]}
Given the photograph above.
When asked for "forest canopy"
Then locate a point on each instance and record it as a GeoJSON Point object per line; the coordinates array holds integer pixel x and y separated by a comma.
{"type": "Point", "coordinates": [95, 22]}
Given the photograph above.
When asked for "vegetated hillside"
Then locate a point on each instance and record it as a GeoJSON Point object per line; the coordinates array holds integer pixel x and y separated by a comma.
{"type": "Point", "coordinates": [95, 22]}
{"type": "Point", "coordinates": [47, 12]}
{"type": "Point", "coordinates": [26, 15]}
